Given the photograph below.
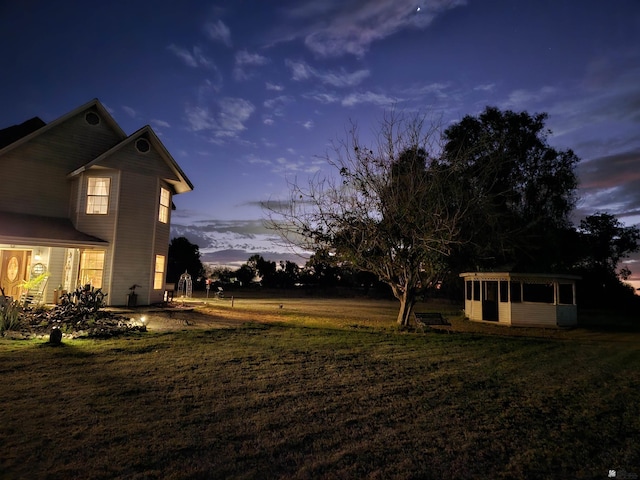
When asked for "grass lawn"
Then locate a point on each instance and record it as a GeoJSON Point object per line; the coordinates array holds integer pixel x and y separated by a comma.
{"type": "Point", "coordinates": [321, 389]}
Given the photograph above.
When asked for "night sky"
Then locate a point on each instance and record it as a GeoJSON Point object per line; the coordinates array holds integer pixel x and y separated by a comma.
{"type": "Point", "coordinates": [246, 94]}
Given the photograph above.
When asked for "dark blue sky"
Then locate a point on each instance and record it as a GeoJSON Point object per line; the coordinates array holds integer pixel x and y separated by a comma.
{"type": "Point", "coordinates": [248, 93]}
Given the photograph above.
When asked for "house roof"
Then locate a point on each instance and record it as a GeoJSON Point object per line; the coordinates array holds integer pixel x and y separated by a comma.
{"type": "Point", "coordinates": [16, 132]}
{"type": "Point", "coordinates": [18, 228]}
{"type": "Point", "coordinates": [95, 103]}
{"type": "Point", "coordinates": [181, 185]}
{"type": "Point", "coordinates": [519, 276]}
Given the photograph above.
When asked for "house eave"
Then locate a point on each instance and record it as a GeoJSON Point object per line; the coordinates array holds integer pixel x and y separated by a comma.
{"type": "Point", "coordinates": [22, 229]}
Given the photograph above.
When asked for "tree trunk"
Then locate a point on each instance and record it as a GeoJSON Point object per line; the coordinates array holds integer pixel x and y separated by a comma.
{"type": "Point", "coordinates": [407, 301]}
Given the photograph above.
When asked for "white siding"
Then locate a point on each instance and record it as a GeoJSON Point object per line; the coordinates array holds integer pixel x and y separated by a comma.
{"type": "Point", "coordinates": [534, 314]}
{"type": "Point", "coordinates": [134, 242]}
{"type": "Point", "coordinates": [567, 315]}
{"type": "Point", "coordinates": [101, 226]}
{"type": "Point", "coordinates": [161, 244]}
{"type": "Point", "coordinates": [56, 271]}
{"type": "Point", "coordinates": [42, 165]}
{"type": "Point", "coordinates": [504, 313]}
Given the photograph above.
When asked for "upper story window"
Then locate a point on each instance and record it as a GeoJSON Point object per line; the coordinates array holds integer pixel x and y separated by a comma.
{"type": "Point", "coordinates": [98, 195]}
{"type": "Point", "coordinates": [165, 202]}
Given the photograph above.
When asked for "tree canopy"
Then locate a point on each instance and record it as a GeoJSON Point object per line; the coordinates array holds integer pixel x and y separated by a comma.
{"type": "Point", "coordinates": [526, 190]}
{"type": "Point", "coordinates": [183, 256]}
{"type": "Point", "coordinates": [603, 242]}
{"type": "Point", "coordinates": [391, 209]}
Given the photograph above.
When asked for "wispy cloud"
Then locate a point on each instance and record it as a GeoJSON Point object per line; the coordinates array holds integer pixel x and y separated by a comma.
{"type": "Point", "coordinates": [285, 165]}
{"type": "Point", "coordinates": [379, 99]}
{"type": "Point", "coordinates": [226, 120]}
{"type": "Point", "coordinates": [488, 87]}
{"type": "Point", "coordinates": [322, 97]}
{"type": "Point", "coordinates": [302, 71]}
{"type": "Point", "coordinates": [219, 32]}
{"type": "Point", "coordinates": [160, 123]}
{"type": "Point", "coordinates": [611, 183]}
{"type": "Point", "coordinates": [338, 27]}
{"type": "Point", "coordinates": [130, 111]}
{"type": "Point", "coordinates": [245, 60]}
{"type": "Point", "coordinates": [522, 99]}
{"type": "Point", "coordinates": [308, 124]}
{"type": "Point", "coordinates": [194, 58]}
{"type": "Point", "coordinates": [274, 87]}
{"type": "Point", "coordinates": [277, 104]}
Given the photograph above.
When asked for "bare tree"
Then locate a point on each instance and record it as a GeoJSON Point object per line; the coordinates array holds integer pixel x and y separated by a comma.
{"type": "Point", "coordinates": [392, 209]}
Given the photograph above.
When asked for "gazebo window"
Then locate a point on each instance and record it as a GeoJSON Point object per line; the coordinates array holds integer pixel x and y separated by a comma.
{"type": "Point", "coordinates": [504, 291]}
{"type": "Point", "coordinates": [516, 292]}
{"type": "Point", "coordinates": [476, 290]}
{"type": "Point", "coordinates": [565, 294]}
{"type": "Point", "coordinates": [537, 292]}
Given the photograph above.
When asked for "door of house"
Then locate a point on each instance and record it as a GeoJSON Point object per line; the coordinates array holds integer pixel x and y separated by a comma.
{"type": "Point", "coordinates": [13, 270]}
{"type": "Point", "coordinates": [490, 301]}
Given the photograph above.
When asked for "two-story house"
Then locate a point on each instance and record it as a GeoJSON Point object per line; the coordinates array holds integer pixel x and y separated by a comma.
{"type": "Point", "coordinates": [86, 204]}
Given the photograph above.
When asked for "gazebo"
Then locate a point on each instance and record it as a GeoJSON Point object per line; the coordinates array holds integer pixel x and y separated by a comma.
{"type": "Point", "coordinates": [521, 299]}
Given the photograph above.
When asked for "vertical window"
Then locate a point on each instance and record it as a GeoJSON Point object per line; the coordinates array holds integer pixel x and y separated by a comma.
{"type": "Point", "coordinates": [91, 267]}
{"type": "Point", "coordinates": [98, 196]}
{"type": "Point", "coordinates": [165, 199]}
{"type": "Point", "coordinates": [516, 292]}
{"type": "Point", "coordinates": [469, 290]}
{"type": "Point", "coordinates": [476, 290]}
{"type": "Point", "coordinates": [504, 291]}
{"type": "Point", "coordinates": [565, 294]}
{"type": "Point", "coordinates": [158, 276]}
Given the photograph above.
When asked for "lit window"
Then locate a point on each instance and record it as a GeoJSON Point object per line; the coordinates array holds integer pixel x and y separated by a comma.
{"type": "Point", "coordinates": [98, 196]}
{"type": "Point", "coordinates": [165, 199]}
{"type": "Point", "coordinates": [158, 276]}
{"type": "Point", "coordinates": [91, 267]}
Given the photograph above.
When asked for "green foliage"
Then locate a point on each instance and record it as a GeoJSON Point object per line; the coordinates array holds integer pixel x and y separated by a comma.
{"type": "Point", "coordinates": [34, 282]}
{"type": "Point", "coordinates": [10, 313]}
{"type": "Point", "coordinates": [524, 190]}
{"type": "Point", "coordinates": [602, 242]}
{"type": "Point", "coordinates": [183, 255]}
{"type": "Point", "coordinates": [82, 301]}
{"type": "Point", "coordinates": [606, 241]}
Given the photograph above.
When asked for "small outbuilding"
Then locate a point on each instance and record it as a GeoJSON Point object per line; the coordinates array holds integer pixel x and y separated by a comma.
{"type": "Point", "coordinates": [521, 299]}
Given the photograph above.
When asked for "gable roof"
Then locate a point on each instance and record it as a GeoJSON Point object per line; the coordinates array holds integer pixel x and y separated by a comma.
{"type": "Point", "coordinates": [16, 132]}
{"type": "Point", "coordinates": [181, 185]}
{"type": "Point", "coordinates": [95, 103]}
